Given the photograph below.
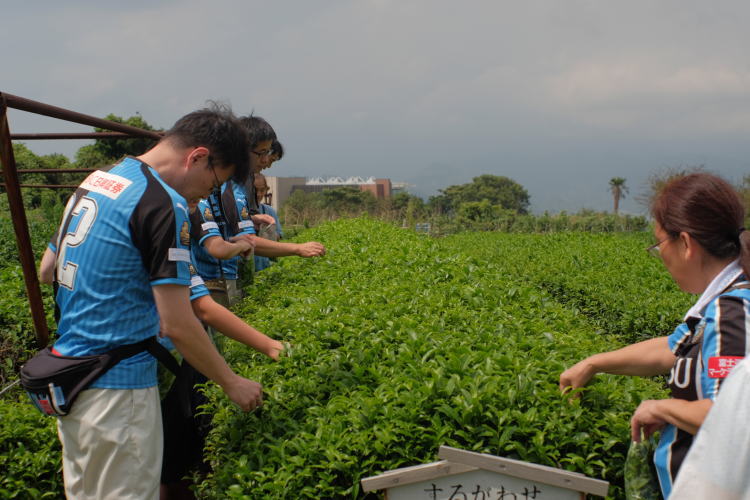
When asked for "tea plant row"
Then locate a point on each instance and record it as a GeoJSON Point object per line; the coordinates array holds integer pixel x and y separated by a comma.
{"type": "Point", "coordinates": [402, 343]}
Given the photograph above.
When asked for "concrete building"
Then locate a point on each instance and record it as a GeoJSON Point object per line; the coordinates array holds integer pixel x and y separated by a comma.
{"type": "Point", "coordinates": [280, 188]}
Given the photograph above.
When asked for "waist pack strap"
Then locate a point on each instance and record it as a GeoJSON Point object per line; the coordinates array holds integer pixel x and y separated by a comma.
{"type": "Point", "coordinates": [151, 345]}
{"type": "Point", "coordinates": [163, 356]}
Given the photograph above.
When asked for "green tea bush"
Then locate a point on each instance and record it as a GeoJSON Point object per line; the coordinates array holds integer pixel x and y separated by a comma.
{"type": "Point", "coordinates": [30, 454]}
{"type": "Point", "coordinates": [607, 277]}
{"type": "Point", "coordinates": [17, 333]}
{"type": "Point", "coordinates": [402, 343]}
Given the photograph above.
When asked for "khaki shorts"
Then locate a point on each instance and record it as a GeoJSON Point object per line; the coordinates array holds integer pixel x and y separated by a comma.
{"type": "Point", "coordinates": [112, 445]}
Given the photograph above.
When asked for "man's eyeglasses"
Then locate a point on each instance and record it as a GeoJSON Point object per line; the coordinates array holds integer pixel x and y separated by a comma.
{"type": "Point", "coordinates": [655, 249]}
{"type": "Point", "coordinates": [263, 153]}
{"type": "Point", "coordinates": [217, 183]}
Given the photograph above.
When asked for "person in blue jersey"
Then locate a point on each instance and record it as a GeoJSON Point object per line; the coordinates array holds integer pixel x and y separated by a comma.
{"type": "Point", "coordinates": [702, 242]}
{"type": "Point", "coordinates": [122, 275]}
{"type": "Point", "coordinates": [221, 221]}
{"type": "Point", "coordinates": [184, 435]}
{"type": "Point", "coordinates": [268, 231]}
{"type": "Point", "coordinates": [233, 215]}
{"type": "Point", "coordinates": [262, 154]}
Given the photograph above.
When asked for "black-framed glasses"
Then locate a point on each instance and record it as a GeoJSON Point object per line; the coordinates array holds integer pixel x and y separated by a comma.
{"type": "Point", "coordinates": [217, 183]}
{"type": "Point", "coordinates": [655, 249]}
{"type": "Point", "coordinates": [263, 153]}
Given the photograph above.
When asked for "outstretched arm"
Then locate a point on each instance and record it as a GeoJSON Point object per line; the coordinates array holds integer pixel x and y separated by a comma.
{"type": "Point", "coordinates": [180, 324]}
{"type": "Point", "coordinates": [647, 358]}
{"type": "Point", "coordinates": [219, 248]}
{"type": "Point", "coordinates": [270, 248]}
{"type": "Point", "coordinates": [221, 318]}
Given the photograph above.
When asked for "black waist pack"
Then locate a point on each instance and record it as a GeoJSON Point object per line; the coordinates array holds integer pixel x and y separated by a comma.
{"type": "Point", "coordinates": [53, 382]}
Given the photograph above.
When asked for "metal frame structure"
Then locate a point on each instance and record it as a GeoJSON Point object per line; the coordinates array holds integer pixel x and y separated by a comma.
{"type": "Point", "coordinates": [13, 187]}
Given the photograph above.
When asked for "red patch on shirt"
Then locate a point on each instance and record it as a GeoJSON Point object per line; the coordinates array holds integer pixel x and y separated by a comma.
{"type": "Point", "coordinates": [721, 366]}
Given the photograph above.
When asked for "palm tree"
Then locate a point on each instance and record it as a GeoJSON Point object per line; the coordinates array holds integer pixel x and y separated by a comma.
{"type": "Point", "coordinates": [618, 189]}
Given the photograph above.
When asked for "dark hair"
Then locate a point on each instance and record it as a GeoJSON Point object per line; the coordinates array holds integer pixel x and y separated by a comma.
{"type": "Point", "coordinates": [707, 208]}
{"type": "Point", "coordinates": [277, 149]}
{"type": "Point", "coordinates": [258, 130]}
{"type": "Point", "coordinates": [217, 129]}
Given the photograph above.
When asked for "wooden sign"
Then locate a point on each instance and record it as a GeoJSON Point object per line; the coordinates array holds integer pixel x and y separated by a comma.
{"type": "Point", "coordinates": [465, 475]}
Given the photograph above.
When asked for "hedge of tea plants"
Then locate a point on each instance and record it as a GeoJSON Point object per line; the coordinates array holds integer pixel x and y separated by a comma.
{"type": "Point", "coordinates": [30, 460]}
{"type": "Point", "coordinates": [402, 343]}
{"type": "Point", "coordinates": [607, 277]}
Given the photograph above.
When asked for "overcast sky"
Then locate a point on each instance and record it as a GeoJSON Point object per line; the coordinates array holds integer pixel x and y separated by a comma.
{"type": "Point", "coordinates": [559, 95]}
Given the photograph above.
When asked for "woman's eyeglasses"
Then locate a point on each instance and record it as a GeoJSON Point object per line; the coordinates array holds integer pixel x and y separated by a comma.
{"type": "Point", "coordinates": [655, 249]}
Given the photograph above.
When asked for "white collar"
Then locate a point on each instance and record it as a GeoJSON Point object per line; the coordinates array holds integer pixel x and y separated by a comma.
{"type": "Point", "coordinates": [720, 283]}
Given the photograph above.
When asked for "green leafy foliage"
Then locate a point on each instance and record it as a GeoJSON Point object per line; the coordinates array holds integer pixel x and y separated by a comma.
{"type": "Point", "coordinates": [403, 343]}
{"type": "Point", "coordinates": [30, 455]}
{"type": "Point", "coordinates": [36, 197]}
{"type": "Point", "coordinates": [641, 482]}
{"type": "Point", "coordinates": [604, 276]}
{"type": "Point", "coordinates": [17, 333]}
{"type": "Point", "coordinates": [503, 192]}
{"type": "Point", "coordinates": [107, 151]}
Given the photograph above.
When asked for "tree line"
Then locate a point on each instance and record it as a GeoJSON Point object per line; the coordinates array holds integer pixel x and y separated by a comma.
{"type": "Point", "coordinates": [488, 201]}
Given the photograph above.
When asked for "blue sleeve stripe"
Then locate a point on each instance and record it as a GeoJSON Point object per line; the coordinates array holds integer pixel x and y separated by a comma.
{"type": "Point", "coordinates": [198, 294]}
{"type": "Point", "coordinates": [209, 235]}
{"type": "Point", "coordinates": [171, 281]}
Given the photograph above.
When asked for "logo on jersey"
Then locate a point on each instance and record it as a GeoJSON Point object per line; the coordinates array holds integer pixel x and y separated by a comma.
{"type": "Point", "coordinates": [721, 366]}
{"type": "Point", "coordinates": [244, 214]}
{"type": "Point", "coordinates": [105, 183]}
{"type": "Point", "coordinates": [185, 234]}
{"type": "Point", "coordinates": [207, 214]}
{"type": "Point", "coordinates": [179, 255]}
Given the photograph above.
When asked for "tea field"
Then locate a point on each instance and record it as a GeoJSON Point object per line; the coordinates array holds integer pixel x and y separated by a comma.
{"type": "Point", "coordinates": [402, 343]}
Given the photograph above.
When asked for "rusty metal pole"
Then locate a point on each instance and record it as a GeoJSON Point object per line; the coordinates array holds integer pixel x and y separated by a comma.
{"type": "Point", "coordinates": [21, 227]}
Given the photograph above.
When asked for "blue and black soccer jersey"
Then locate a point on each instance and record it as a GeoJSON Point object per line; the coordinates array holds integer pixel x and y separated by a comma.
{"type": "Point", "coordinates": [706, 349]}
{"type": "Point", "coordinates": [197, 290]}
{"type": "Point", "coordinates": [239, 222]}
{"type": "Point", "coordinates": [124, 231]}
{"type": "Point", "coordinates": [224, 217]}
{"type": "Point", "coordinates": [204, 225]}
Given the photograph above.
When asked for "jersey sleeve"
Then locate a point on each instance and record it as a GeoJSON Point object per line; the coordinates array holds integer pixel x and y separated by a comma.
{"type": "Point", "coordinates": [680, 335]}
{"type": "Point", "coordinates": [197, 285]}
{"type": "Point", "coordinates": [202, 223]}
{"type": "Point", "coordinates": [236, 204]}
{"type": "Point", "coordinates": [724, 341]}
{"type": "Point", "coordinates": [52, 244]}
{"type": "Point", "coordinates": [160, 230]}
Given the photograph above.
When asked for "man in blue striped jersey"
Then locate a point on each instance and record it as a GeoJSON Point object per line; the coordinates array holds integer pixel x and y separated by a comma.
{"type": "Point", "coordinates": [122, 257]}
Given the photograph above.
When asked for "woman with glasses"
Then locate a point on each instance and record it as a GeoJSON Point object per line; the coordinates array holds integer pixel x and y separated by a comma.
{"type": "Point", "coordinates": [702, 242]}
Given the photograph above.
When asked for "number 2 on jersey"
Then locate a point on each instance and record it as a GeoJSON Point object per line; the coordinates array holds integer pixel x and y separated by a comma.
{"type": "Point", "coordinates": [86, 208]}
